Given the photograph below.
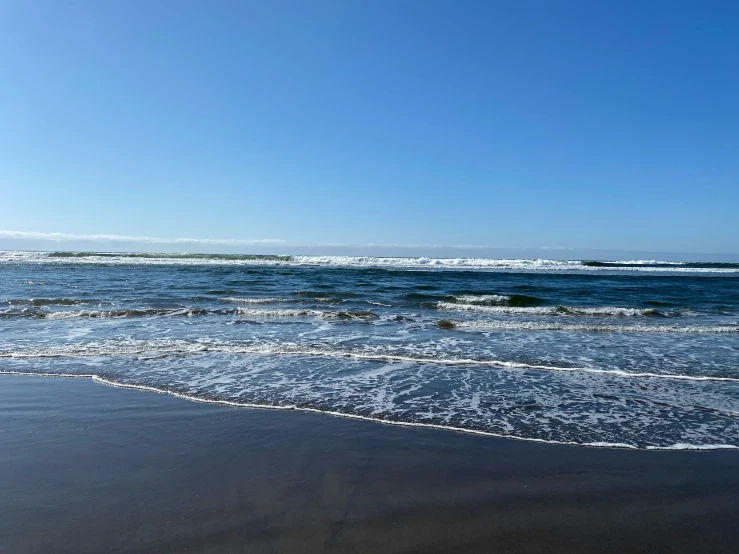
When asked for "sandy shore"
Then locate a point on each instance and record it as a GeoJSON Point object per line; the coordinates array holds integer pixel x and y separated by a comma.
{"type": "Point", "coordinates": [90, 468]}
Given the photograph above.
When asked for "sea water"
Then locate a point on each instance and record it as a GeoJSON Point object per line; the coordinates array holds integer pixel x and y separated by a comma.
{"type": "Point", "coordinates": [638, 354]}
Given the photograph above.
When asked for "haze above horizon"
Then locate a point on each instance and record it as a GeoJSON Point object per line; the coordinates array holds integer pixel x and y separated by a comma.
{"type": "Point", "coordinates": [256, 126]}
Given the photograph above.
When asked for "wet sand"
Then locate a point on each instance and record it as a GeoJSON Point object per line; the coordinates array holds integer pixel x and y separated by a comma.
{"type": "Point", "coordinates": [89, 468]}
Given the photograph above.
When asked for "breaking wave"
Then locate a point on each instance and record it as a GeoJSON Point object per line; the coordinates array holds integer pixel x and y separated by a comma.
{"type": "Point", "coordinates": [257, 300]}
{"type": "Point", "coordinates": [552, 310]}
{"type": "Point", "coordinates": [512, 300]}
{"type": "Point", "coordinates": [365, 352]}
{"type": "Point", "coordinates": [364, 315]}
{"type": "Point", "coordinates": [367, 262]}
{"type": "Point", "coordinates": [297, 312]}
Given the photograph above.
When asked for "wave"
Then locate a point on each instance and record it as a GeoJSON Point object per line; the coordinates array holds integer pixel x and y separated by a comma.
{"type": "Point", "coordinates": [551, 310]}
{"type": "Point", "coordinates": [404, 263]}
{"type": "Point", "coordinates": [73, 314]}
{"type": "Point", "coordinates": [301, 299]}
{"type": "Point", "coordinates": [39, 302]}
{"type": "Point", "coordinates": [513, 300]}
{"type": "Point", "coordinates": [364, 315]}
{"type": "Point", "coordinates": [348, 415]}
{"type": "Point", "coordinates": [604, 328]}
{"type": "Point", "coordinates": [689, 446]}
{"type": "Point", "coordinates": [257, 300]}
{"type": "Point", "coordinates": [369, 353]}
{"type": "Point", "coordinates": [661, 264]}
{"type": "Point", "coordinates": [148, 256]}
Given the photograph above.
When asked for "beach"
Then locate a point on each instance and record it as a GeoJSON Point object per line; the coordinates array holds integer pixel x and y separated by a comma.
{"type": "Point", "coordinates": [86, 467]}
{"type": "Point", "coordinates": [369, 277]}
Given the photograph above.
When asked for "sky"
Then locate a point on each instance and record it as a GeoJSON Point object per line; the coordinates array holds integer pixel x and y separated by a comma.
{"type": "Point", "coordinates": [278, 125]}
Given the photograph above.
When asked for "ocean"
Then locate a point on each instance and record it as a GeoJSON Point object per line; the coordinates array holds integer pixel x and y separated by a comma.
{"type": "Point", "coordinates": [633, 354]}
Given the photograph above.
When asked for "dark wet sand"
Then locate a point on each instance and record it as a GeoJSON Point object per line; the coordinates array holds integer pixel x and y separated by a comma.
{"type": "Point", "coordinates": [90, 468]}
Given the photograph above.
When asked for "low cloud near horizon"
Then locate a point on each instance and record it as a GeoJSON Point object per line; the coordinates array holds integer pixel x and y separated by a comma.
{"type": "Point", "coordinates": [41, 241]}
{"type": "Point", "coordinates": [60, 237]}
{"type": "Point", "coordinates": [118, 239]}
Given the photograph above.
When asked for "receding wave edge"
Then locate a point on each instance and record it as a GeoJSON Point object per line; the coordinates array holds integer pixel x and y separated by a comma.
{"type": "Point", "coordinates": [111, 382]}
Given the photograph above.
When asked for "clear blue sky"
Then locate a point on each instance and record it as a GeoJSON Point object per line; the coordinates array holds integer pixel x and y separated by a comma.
{"type": "Point", "coordinates": [520, 124]}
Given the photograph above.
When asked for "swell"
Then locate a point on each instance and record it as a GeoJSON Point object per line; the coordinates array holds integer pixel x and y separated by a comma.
{"type": "Point", "coordinates": [195, 398]}
{"type": "Point", "coordinates": [181, 348]}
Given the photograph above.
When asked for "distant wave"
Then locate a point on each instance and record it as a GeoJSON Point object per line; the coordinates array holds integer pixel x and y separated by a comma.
{"type": "Point", "coordinates": [406, 263]}
{"type": "Point", "coordinates": [164, 256]}
{"type": "Point", "coordinates": [659, 264]}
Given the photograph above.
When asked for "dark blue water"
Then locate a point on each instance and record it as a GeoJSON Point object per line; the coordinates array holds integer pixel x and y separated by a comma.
{"type": "Point", "coordinates": [639, 354]}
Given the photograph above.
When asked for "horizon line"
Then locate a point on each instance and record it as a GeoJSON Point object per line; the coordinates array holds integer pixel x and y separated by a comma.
{"type": "Point", "coordinates": [129, 240]}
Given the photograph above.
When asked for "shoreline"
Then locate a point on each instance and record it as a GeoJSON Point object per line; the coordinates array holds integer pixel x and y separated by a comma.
{"type": "Point", "coordinates": [231, 404]}
{"type": "Point", "coordinates": [89, 468]}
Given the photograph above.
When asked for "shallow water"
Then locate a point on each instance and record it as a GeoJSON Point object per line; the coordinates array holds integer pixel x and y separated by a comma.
{"type": "Point", "coordinates": [639, 354]}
